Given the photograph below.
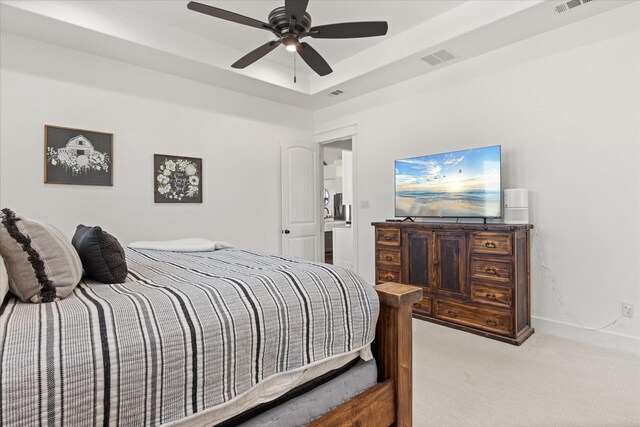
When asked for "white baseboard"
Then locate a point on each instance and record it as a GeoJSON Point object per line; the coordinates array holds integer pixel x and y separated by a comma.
{"type": "Point", "coordinates": [570, 331]}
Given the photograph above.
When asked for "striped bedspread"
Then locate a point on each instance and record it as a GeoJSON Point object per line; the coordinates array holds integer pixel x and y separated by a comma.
{"type": "Point", "coordinates": [186, 332]}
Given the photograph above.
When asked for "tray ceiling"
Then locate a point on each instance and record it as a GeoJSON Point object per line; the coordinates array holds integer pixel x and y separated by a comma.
{"type": "Point", "coordinates": [165, 36]}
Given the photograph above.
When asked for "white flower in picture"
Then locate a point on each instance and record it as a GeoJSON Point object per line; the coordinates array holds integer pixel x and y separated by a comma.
{"type": "Point", "coordinates": [82, 160]}
{"type": "Point", "coordinates": [63, 156]}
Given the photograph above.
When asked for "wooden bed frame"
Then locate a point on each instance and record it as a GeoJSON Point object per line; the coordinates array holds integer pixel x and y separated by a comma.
{"type": "Point", "coordinates": [390, 401]}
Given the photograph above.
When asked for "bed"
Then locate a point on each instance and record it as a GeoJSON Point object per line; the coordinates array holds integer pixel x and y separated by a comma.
{"type": "Point", "coordinates": [189, 337]}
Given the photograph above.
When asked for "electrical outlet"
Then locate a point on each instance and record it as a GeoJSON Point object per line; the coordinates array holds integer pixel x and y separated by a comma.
{"type": "Point", "coordinates": [627, 310]}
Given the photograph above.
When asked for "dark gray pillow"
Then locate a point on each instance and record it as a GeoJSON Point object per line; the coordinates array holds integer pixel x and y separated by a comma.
{"type": "Point", "coordinates": [101, 254]}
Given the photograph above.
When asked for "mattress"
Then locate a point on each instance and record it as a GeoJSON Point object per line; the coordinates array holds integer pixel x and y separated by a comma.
{"type": "Point", "coordinates": [311, 405]}
{"type": "Point", "coordinates": [185, 333]}
{"type": "Point", "coordinates": [271, 390]}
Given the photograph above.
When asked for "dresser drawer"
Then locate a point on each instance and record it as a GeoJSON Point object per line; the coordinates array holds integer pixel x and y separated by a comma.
{"type": "Point", "coordinates": [388, 236]}
{"type": "Point", "coordinates": [496, 296]}
{"type": "Point", "coordinates": [485, 319]}
{"type": "Point", "coordinates": [494, 269]}
{"type": "Point", "coordinates": [423, 306]}
{"type": "Point", "coordinates": [388, 256]}
{"type": "Point", "coordinates": [491, 243]}
{"type": "Point", "coordinates": [389, 275]}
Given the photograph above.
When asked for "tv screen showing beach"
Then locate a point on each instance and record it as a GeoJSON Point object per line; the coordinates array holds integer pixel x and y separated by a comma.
{"type": "Point", "coordinates": [456, 184]}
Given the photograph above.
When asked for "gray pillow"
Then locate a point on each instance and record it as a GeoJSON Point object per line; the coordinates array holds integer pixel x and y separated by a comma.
{"type": "Point", "coordinates": [4, 280]}
{"type": "Point", "coordinates": [41, 264]}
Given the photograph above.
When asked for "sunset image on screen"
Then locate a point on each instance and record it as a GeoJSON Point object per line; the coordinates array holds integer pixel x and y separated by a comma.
{"type": "Point", "coordinates": [458, 184]}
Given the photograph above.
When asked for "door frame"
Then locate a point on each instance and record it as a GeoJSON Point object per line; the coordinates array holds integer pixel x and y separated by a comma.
{"type": "Point", "coordinates": [347, 132]}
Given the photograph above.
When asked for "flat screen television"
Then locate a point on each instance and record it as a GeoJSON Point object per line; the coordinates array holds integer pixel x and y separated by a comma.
{"type": "Point", "coordinates": [458, 184]}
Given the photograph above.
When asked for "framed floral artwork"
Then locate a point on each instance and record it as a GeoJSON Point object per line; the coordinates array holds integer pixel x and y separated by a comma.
{"type": "Point", "coordinates": [177, 179]}
{"type": "Point", "coordinates": [77, 156]}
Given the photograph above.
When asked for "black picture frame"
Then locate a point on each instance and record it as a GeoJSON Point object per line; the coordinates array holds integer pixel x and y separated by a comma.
{"type": "Point", "coordinates": [177, 179]}
{"type": "Point", "coordinates": [77, 156]}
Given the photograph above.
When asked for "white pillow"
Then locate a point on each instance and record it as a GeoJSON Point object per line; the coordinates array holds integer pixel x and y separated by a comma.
{"type": "Point", "coordinates": [181, 245]}
{"type": "Point", "coordinates": [4, 280]}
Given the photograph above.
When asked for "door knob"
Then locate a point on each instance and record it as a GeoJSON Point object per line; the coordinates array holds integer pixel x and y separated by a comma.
{"type": "Point", "coordinates": [286, 231]}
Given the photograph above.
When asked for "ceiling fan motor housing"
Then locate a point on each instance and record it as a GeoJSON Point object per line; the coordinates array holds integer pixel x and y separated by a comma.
{"type": "Point", "coordinates": [278, 20]}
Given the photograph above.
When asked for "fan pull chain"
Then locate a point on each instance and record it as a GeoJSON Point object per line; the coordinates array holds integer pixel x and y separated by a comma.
{"type": "Point", "coordinates": [294, 67]}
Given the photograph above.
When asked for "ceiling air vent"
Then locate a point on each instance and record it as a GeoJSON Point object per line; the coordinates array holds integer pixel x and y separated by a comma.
{"type": "Point", "coordinates": [563, 7]}
{"type": "Point", "coordinates": [438, 57]}
{"type": "Point", "coordinates": [336, 92]}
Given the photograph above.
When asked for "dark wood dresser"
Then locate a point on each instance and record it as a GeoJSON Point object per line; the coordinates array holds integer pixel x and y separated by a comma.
{"type": "Point", "coordinates": [474, 277]}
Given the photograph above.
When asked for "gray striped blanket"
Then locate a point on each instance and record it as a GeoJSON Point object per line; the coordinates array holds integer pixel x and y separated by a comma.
{"type": "Point", "coordinates": [186, 332]}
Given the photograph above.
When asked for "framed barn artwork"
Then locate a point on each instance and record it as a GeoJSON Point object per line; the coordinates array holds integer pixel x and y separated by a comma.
{"type": "Point", "coordinates": [177, 179]}
{"type": "Point", "coordinates": [77, 156]}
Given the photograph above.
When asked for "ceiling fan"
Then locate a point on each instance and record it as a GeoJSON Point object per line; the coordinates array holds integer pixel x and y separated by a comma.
{"type": "Point", "coordinates": [290, 24]}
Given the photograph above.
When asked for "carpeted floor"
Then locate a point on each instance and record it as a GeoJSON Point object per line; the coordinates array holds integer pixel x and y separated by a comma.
{"type": "Point", "coordinates": [460, 379]}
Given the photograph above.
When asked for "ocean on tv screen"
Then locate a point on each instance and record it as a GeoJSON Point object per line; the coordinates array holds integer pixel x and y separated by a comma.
{"type": "Point", "coordinates": [457, 184]}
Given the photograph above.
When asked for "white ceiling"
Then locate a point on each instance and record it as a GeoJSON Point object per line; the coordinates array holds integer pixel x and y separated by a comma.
{"type": "Point", "coordinates": [166, 36]}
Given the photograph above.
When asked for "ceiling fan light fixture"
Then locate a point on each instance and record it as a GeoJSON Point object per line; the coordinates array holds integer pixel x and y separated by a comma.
{"type": "Point", "coordinates": [290, 43]}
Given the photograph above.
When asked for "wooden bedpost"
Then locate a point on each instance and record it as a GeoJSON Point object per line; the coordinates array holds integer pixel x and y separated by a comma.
{"type": "Point", "coordinates": [390, 401]}
{"type": "Point", "coordinates": [393, 344]}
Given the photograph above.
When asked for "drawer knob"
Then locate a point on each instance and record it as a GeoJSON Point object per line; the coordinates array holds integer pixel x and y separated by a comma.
{"type": "Point", "coordinates": [492, 322]}
{"type": "Point", "coordinates": [387, 237]}
{"type": "Point", "coordinates": [389, 276]}
{"type": "Point", "coordinates": [491, 270]}
{"type": "Point", "coordinates": [490, 295]}
{"type": "Point", "coordinates": [388, 257]}
{"type": "Point", "coordinates": [490, 244]}
{"type": "Point", "coordinates": [452, 313]}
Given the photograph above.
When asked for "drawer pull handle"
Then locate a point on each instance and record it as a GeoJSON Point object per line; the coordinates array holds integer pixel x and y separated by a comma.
{"type": "Point", "coordinates": [492, 322]}
{"type": "Point", "coordinates": [490, 296]}
{"type": "Point", "coordinates": [491, 270]}
{"type": "Point", "coordinates": [452, 313]}
{"type": "Point", "coordinates": [490, 245]}
{"type": "Point", "coordinates": [387, 237]}
{"type": "Point", "coordinates": [388, 257]}
{"type": "Point", "coordinates": [389, 276]}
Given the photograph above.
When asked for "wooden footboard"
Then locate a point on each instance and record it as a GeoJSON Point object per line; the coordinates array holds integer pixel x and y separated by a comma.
{"type": "Point", "coordinates": [390, 401]}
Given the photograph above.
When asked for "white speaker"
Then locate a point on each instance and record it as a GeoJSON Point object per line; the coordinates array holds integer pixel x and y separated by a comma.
{"type": "Point", "coordinates": [516, 206]}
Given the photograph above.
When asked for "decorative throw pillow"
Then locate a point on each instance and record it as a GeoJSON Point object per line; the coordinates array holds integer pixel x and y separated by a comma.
{"type": "Point", "coordinates": [101, 254]}
{"type": "Point", "coordinates": [4, 280]}
{"type": "Point", "coordinates": [41, 263]}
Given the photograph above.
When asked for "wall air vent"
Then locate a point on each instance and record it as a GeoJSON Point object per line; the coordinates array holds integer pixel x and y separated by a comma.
{"type": "Point", "coordinates": [563, 7]}
{"type": "Point", "coordinates": [438, 57]}
{"type": "Point", "coordinates": [336, 92]}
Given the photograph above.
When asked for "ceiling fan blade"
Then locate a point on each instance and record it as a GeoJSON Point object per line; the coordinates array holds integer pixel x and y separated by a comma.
{"type": "Point", "coordinates": [256, 54]}
{"type": "Point", "coordinates": [226, 15]}
{"type": "Point", "coordinates": [313, 59]}
{"type": "Point", "coordinates": [349, 30]}
{"type": "Point", "coordinates": [295, 8]}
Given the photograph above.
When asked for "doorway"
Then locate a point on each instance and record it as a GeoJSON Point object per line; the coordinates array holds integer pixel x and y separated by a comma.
{"type": "Point", "coordinates": [337, 157]}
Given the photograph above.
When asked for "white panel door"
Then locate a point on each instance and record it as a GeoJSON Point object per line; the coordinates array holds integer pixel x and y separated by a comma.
{"type": "Point", "coordinates": [301, 195]}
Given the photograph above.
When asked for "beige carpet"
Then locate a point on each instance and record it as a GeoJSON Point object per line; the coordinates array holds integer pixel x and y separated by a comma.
{"type": "Point", "coordinates": [461, 379]}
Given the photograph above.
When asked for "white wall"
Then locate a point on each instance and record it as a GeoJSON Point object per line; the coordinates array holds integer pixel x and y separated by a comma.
{"type": "Point", "coordinates": [237, 136]}
{"type": "Point", "coordinates": [565, 108]}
